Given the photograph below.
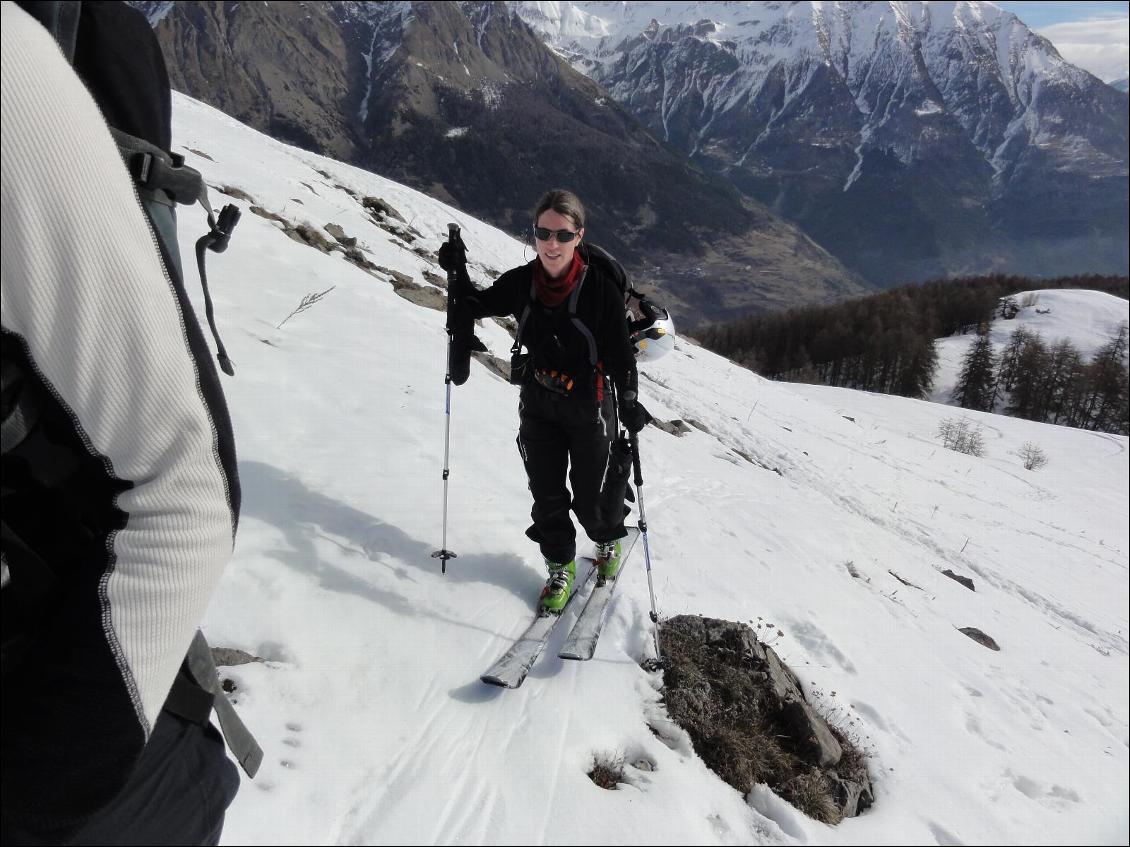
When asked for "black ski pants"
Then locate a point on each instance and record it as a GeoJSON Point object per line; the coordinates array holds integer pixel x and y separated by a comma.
{"type": "Point", "coordinates": [178, 793]}
{"type": "Point", "coordinates": [561, 436]}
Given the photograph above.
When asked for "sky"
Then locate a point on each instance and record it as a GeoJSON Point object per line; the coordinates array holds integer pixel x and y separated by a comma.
{"type": "Point", "coordinates": [1093, 35]}
{"type": "Point", "coordinates": [830, 513]}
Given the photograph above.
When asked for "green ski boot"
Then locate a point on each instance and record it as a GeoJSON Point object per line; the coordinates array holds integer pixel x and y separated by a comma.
{"type": "Point", "coordinates": [558, 587]}
{"type": "Point", "coordinates": [608, 560]}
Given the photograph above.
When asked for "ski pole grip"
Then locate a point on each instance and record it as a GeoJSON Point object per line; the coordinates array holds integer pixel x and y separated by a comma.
{"type": "Point", "coordinates": [452, 274]}
{"type": "Point", "coordinates": [456, 242]}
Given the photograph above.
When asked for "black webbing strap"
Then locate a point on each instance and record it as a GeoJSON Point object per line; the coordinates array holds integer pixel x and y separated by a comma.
{"type": "Point", "coordinates": [188, 700]}
{"type": "Point", "coordinates": [202, 669]}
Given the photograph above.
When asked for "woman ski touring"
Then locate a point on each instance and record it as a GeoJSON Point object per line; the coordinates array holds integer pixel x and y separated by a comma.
{"type": "Point", "coordinates": [572, 322]}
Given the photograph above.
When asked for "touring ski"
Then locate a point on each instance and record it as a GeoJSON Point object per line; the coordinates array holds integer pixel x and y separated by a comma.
{"type": "Point", "coordinates": [511, 670]}
{"type": "Point", "coordinates": [581, 643]}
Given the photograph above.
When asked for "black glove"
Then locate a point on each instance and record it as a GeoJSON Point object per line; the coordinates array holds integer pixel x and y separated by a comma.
{"type": "Point", "coordinates": [633, 416]}
{"type": "Point", "coordinates": [451, 255]}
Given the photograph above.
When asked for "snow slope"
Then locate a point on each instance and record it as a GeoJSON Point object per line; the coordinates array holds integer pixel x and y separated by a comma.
{"type": "Point", "coordinates": [375, 726]}
{"type": "Point", "coordinates": [1088, 319]}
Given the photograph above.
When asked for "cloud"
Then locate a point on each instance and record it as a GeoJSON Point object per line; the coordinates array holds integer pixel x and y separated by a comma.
{"type": "Point", "coordinates": [1100, 45]}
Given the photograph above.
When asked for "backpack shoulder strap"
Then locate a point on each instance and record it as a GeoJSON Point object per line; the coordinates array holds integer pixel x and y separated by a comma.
{"type": "Point", "coordinates": [577, 322]}
{"type": "Point", "coordinates": [60, 18]}
{"type": "Point", "coordinates": [163, 180]}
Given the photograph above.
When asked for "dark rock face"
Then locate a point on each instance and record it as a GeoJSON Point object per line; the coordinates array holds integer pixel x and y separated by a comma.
{"type": "Point", "coordinates": [245, 59]}
{"type": "Point", "coordinates": [749, 720]}
{"type": "Point", "coordinates": [464, 102]}
{"type": "Point", "coordinates": [231, 656]}
{"type": "Point", "coordinates": [980, 637]}
{"type": "Point", "coordinates": [964, 580]}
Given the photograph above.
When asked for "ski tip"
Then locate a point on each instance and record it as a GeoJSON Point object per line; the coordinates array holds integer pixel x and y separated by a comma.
{"type": "Point", "coordinates": [499, 682]}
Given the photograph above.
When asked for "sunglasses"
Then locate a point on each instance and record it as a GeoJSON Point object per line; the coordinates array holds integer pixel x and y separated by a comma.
{"type": "Point", "coordinates": [563, 236]}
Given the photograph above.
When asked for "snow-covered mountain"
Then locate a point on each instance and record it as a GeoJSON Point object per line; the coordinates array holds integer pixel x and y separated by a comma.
{"type": "Point", "coordinates": [825, 514]}
{"type": "Point", "coordinates": [465, 102]}
{"type": "Point", "coordinates": [911, 139]}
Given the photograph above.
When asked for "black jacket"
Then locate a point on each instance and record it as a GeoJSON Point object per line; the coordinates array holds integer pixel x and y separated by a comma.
{"type": "Point", "coordinates": [554, 341]}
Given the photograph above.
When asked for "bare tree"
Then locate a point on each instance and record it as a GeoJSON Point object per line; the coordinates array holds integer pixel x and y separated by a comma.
{"type": "Point", "coordinates": [961, 435]}
{"type": "Point", "coordinates": [1033, 456]}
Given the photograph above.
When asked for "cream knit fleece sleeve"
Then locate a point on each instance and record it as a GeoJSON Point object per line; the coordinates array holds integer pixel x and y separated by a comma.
{"type": "Point", "coordinates": [82, 284]}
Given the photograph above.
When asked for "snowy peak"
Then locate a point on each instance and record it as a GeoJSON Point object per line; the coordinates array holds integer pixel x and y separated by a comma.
{"type": "Point", "coordinates": [940, 44]}
{"type": "Point", "coordinates": [465, 101]}
{"type": "Point", "coordinates": [957, 108]}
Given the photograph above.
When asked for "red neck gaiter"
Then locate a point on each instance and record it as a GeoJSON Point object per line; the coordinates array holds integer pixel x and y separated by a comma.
{"type": "Point", "coordinates": [552, 292]}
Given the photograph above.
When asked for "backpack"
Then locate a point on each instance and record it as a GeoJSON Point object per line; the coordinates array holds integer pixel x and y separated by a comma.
{"type": "Point", "coordinates": [124, 71]}
{"type": "Point", "coordinates": [611, 268]}
{"type": "Point", "coordinates": [115, 53]}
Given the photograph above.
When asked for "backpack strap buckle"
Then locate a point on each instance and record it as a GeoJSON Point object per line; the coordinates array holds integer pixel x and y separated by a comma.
{"type": "Point", "coordinates": [158, 172]}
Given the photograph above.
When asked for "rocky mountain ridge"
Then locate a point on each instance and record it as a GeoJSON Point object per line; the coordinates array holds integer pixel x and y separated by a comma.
{"type": "Point", "coordinates": [911, 139]}
{"type": "Point", "coordinates": [465, 102]}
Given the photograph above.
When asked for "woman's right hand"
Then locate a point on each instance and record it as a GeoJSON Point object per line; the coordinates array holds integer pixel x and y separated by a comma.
{"type": "Point", "coordinates": [633, 416]}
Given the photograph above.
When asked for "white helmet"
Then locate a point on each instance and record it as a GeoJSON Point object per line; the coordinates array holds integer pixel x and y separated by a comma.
{"type": "Point", "coordinates": [653, 334]}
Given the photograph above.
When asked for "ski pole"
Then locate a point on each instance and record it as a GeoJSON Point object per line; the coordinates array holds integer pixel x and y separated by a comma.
{"type": "Point", "coordinates": [443, 554]}
{"type": "Point", "coordinates": [643, 532]}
